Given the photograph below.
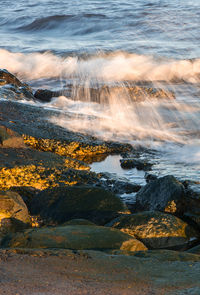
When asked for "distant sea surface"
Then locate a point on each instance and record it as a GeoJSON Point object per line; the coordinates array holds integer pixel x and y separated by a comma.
{"type": "Point", "coordinates": [50, 44]}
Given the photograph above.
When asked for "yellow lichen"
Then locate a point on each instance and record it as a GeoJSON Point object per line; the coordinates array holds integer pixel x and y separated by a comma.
{"type": "Point", "coordinates": [35, 176]}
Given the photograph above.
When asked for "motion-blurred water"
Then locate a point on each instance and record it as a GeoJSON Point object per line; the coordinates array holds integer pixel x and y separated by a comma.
{"type": "Point", "coordinates": [90, 44]}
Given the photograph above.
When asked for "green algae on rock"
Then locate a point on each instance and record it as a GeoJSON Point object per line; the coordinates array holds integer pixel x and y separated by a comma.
{"type": "Point", "coordinates": [156, 230]}
{"type": "Point", "coordinates": [77, 237]}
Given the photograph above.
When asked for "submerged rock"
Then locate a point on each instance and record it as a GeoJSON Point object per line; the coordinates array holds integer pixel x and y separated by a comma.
{"type": "Point", "coordinates": [156, 230]}
{"type": "Point", "coordinates": [45, 95]}
{"type": "Point", "coordinates": [77, 237]}
{"type": "Point", "coordinates": [129, 163]}
{"type": "Point", "coordinates": [64, 203]}
{"type": "Point", "coordinates": [133, 93]}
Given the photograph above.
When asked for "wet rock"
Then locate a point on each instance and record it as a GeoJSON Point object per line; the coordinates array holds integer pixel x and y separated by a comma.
{"type": "Point", "coordinates": [75, 237]}
{"type": "Point", "coordinates": [75, 148]}
{"type": "Point", "coordinates": [9, 78]}
{"type": "Point", "coordinates": [117, 186]}
{"type": "Point", "coordinates": [150, 177]}
{"type": "Point", "coordinates": [12, 88]}
{"type": "Point", "coordinates": [156, 230]}
{"type": "Point", "coordinates": [45, 95]}
{"type": "Point", "coordinates": [10, 139]}
{"type": "Point", "coordinates": [163, 194]}
{"type": "Point", "coordinates": [135, 93]}
{"type": "Point", "coordinates": [64, 203]}
{"type": "Point", "coordinates": [12, 206]}
{"type": "Point", "coordinates": [129, 163]}
{"type": "Point", "coordinates": [195, 250]}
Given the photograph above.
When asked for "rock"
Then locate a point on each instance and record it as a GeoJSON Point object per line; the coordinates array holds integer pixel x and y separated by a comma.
{"type": "Point", "coordinates": [129, 163]}
{"type": "Point", "coordinates": [13, 88]}
{"type": "Point", "coordinates": [164, 194]}
{"type": "Point", "coordinates": [12, 206]}
{"type": "Point", "coordinates": [195, 250]}
{"type": "Point", "coordinates": [78, 222]}
{"type": "Point", "coordinates": [160, 255]}
{"type": "Point", "coordinates": [9, 78]}
{"type": "Point", "coordinates": [10, 139]}
{"type": "Point", "coordinates": [64, 203]}
{"type": "Point", "coordinates": [102, 94]}
{"type": "Point", "coordinates": [117, 186]}
{"type": "Point", "coordinates": [77, 237]}
{"type": "Point", "coordinates": [11, 225]}
{"type": "Point", "coordinates": [156, 230]}
{"type": "Point", "coordinates": [45, 95]}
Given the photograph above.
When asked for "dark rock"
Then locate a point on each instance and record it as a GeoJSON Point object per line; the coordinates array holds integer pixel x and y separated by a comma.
{"type": "Point", "coordinates": [78, 222]}
{"type": "Point", "coordinates": [11, 225]}
{"type": "Point", "coordinates": [150, 177]}
{"type": "Point", "coordinates": [45, 95]}
{"type": "Point", "coordinates": [118, 186]}
{"type": "Point", "coordinates": [156, 229]}
{"type": "Point", "coordinates": [195, 250]}
{"type": "Point", "coordinates": [75, 237]}
{"type": "Point", "coordinates": [164, 194]}
{"type": "Point", "coordinates": [129, 163]}
{"type": "Point", "coordinates": [64, 203]}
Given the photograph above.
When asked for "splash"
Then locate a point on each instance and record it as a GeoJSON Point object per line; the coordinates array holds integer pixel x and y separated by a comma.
{"type": "Point", "coordinates": [116, 66]}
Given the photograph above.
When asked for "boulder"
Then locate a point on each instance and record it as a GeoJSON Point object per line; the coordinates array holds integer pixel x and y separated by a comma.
{"type": "Point", "coordinates": [45, 95]}
{"type": "Point", "coordinates": [12, 206]}
{"type": "Point", "coordinates": [156, 230]}
{"type": "Point", "coordinates": [164, 194]}
{"type": "Point", "coordinates": [129, 163]}
{"type": "Point", "coordinates": [77, 237]}
{"type": "Point", "coordinates": [13, 213]}
{"type": "Point", "coordinates": [64, 203]}
{"type": "Point", "coordinates": [12, 88]}
{"type": "Point", "coordinates": [10, 139]}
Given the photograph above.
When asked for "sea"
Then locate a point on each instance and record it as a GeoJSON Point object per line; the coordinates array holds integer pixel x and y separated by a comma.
{"type": "Point", "coordinates": [54, 45]}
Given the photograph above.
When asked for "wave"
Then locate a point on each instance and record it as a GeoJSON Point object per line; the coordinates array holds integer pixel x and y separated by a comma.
{"type": "Point", "coordinates": [116, 66]}
{"type": "Point", "coordinates": [56, 21]}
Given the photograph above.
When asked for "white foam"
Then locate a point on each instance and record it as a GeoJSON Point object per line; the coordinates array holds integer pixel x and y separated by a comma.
{"type": "Point", "coordinates": [117, 66]}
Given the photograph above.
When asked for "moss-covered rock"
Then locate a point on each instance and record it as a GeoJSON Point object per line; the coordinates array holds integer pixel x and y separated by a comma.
{"type": "Point", "coordinates": [76, 237]}
{"type": "Point", "coordinates": [64, 203]}
{"type": "Point", "coordinates": [156, 230]}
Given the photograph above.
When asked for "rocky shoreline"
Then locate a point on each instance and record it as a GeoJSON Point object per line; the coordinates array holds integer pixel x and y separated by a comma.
{"type": "Point", "coordinates": [51, 204]}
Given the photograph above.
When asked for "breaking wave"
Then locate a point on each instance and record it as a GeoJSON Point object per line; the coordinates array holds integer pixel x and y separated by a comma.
{"type": "Point", "coordinates": [116, 66]}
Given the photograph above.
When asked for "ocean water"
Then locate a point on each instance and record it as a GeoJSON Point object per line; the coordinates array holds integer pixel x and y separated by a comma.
{"type": "Point", "coordinates": [85, 44]}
